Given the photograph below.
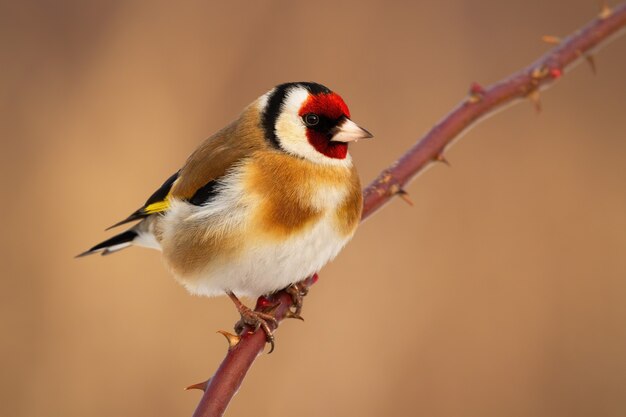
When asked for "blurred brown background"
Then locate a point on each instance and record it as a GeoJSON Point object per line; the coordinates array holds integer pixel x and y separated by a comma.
{"type": "Point", "coordinates": [500, 293]}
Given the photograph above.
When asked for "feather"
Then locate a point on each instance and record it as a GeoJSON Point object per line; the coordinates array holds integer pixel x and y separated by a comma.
{"type": "Point", "coordinates": [156, 203]}
{"type": "Point", "coordinates": [117, 242]}
{"type": "Point", "coordinates": [220, 153]}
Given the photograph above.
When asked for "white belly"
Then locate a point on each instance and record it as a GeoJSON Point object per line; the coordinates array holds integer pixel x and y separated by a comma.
{"type": "Point", "coordinates": [263, 268]}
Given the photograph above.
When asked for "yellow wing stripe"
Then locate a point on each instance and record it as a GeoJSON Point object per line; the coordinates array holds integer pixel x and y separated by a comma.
{"type": "Point", "coordinates": [157, 207]}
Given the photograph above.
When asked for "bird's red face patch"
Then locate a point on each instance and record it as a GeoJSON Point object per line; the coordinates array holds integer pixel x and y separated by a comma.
{"type": "Point", "coordinates": [331, 109]}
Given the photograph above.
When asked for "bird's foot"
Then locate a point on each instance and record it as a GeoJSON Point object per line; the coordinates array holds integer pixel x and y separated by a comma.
{"type": "Point", "coordinates": [297, 292]}
{"type": "Point", "coordinates": [256, 319]}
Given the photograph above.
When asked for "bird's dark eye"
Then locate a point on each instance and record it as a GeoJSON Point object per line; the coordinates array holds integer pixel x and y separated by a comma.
{"type": "Point", "coordinates": [311, 119]}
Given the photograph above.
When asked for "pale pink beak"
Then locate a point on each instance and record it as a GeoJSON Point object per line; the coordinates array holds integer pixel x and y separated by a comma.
{"type": "Point", "coordinates": [348, 131]}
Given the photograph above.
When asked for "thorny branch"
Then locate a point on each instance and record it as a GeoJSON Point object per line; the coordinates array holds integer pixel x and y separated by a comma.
{"type": "Point", "coordinates": [480, 102]}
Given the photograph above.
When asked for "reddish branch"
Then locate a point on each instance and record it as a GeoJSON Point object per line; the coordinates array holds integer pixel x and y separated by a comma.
{"type": "Point", "coordinates": [480, 102]}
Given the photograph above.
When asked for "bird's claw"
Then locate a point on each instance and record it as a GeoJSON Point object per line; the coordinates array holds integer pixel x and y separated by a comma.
{"type": "Point", "coordinates": [256, 320]}
{"type": "Point", "coordinates": [297, 293]}
{"type": "Point", "coordinates": [291, 315]}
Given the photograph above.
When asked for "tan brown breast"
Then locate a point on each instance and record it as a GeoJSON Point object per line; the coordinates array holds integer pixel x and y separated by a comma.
{"type": "Point", "coordinates": [291, 192]}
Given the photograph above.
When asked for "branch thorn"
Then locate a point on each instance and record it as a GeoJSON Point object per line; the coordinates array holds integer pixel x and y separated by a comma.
{"type": "Point", "coordinates": [534, 98]}
{"type": "Point", "coordinates": [405, 196]}
{"type": "Point", "coordinates": [605, 10]}
{"type": "Point", "coordinates": [552, 40]}
{"type": "Point", "coordinates": [200, 385]}
{"type": "Point", "coordinates": [592, 63]}
{"type": "Point", "coordinates": [476, 92]}
{"type": "Point", "coordinates": [540, 72]}
{"type": "Point", "coordinates": [291, 315]}
{"type": "Point", "coordinates": [442, 159]}
{"type": "Point", "coordinates": [232, 339]}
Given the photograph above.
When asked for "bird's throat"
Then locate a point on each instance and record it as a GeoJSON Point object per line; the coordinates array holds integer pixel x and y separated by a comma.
{"type": "Point", "coordinates": [321, 143]}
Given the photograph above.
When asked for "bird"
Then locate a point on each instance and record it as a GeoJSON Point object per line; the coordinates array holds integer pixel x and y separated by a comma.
{"type": "Point", "coordinates": [260, 205]}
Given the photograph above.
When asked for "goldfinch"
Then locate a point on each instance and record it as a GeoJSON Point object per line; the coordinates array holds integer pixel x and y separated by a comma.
{"type": "Point", "coordinates": [259, 206]}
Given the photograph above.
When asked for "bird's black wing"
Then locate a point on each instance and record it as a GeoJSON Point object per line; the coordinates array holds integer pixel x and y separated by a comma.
{"type": "Point", "coordinates": [157, 203]}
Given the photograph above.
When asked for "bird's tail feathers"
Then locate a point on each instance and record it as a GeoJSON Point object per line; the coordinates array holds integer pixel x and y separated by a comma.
{"type": "Point", "coordinates": [114, 244]}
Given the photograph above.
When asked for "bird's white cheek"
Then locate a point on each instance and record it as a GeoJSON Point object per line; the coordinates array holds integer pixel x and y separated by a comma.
{"type": "Point", "coordinates": [290, 129]}
{"type": "Point", "coordinates": [292, 134]}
